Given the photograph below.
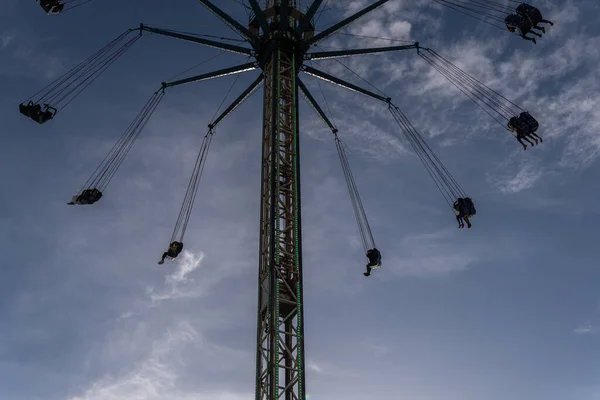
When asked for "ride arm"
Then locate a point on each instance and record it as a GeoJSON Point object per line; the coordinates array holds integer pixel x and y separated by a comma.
{"type": "Point", "coordinates": [260, 16]}
{"type": "Point", "coordinates": [305, 21]}
{"type": "Point", "coordinates": [311, 100]}
{"type": "Point", "coordinates": [215, 74]}
{"type": "Point", "coordinates": [330, 78]}
{"type": "Point", "coordinates": [190, 38]}
{"type": "Point", "coordinates": [334, 28]}
{"type": "Point", "coordinates": [230, 21]}
{"type": "Point", "coordinates": [237, 101]}
{"type": "Point", "coordinates": [321, 55]}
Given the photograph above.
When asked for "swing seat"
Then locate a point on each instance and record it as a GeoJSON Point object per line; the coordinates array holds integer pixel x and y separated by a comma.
{"type": "Point", "coordinates": [527, 120]}
{"type": "Point", "coordinates": [374, 257]}
{"type": "Point", "coordinates": [25, 109]}
{"type": "Point", "coordinates": [88, 196]}
{"type": "Point", "coordinates": [469, 206]}
{"type": "Point", "coordinates": [517, 21]}
{"type": "Point", "coordinates": [530, 12]}
{"type": "Point", "coordinates": [517, 124]}
{"type": "Point", "coordinates": [51, 7]}
{"type": "Point", "coordinates": [35, 112]}
{"type": "Point", "coordinates": [175, 249]}
{"type": "Point", "coordinates": [30, 110]}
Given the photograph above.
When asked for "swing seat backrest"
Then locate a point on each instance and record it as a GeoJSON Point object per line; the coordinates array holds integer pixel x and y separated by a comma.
{"type": "Point", "coordinates": [470, 207]}
{"type": "Point", "coordinates": [531, 12]}
{"type": "Point", "coordinates": [175, 248]}
{"type": "Point", "coordinates": [23, 109]}
{"type": "Point", "coordinates": [529, 121]}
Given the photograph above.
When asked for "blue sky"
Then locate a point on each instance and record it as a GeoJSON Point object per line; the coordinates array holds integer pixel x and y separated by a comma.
{"type": "Point", "coordinates": [507, 309]}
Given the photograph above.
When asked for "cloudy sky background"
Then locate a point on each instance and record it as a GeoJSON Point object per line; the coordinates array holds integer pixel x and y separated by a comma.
{"type": "Point", "coordinates": [507, 309]}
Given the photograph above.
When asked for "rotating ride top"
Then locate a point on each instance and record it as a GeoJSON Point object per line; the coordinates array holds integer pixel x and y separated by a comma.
{"type": "Point", "coordinates": [280, 42]}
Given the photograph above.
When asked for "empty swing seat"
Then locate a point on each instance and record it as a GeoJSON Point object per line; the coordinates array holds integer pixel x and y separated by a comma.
{"type": "Point", "coordinates": [36, 113]}
{"type": "Point", "coordinates": [51, 6]}
{"type": "Point", "coordinates": [88, 196]}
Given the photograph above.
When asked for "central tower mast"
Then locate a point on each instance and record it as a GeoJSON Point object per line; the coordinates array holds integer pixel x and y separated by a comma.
{"type": "Point", "coordinates": [280, 325]}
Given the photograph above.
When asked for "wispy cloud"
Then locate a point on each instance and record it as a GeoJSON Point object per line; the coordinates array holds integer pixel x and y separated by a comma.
{"type": "Point", "coordinates": [586, 329]}
{"type": "Point", "coordinates": [314, 367]}
{"type": "Point", "coordinates": [524, 179]}
{"type": "Point", "coordinates": [5, 41]}
{"type": "Point", "coordinates": [187, 263]}
{"type": "Point", "coordinates": [430, 255]}
{"type": "Point", "coordinates": [331, 370]}
{"type": "Point", "coordinates": [156, 377]}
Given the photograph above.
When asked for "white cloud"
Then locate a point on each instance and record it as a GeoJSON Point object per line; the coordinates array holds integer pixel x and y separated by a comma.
{"type": "Point", "coordinates": [586, 329]}
{"type": "Point", "coordinates": [524, 179]}
{"type": "Point", "coordinates": [330, 370]}
{"type": "Point", "coordinates": [151, 378]}
{"type": "Point", "coordinates": [154, 357]}
{"type": "Point", "coordinates": [5, 41]}
{"type": "Point", "coordinates": [314, 367]}
{"type": "Point", "coordinates": [157, 375]}
{"type": "Point", "coordinates": [379, 349]}
{"type": "Point", "coordinates": [431, 255]}
{"type": "Point", "coordinates": [187, 262]}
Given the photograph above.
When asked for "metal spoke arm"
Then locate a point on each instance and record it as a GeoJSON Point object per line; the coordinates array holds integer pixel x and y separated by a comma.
{"type": "Point", "coordinates": [238, 101]}
{"type": "Point", "coordinates": [305, 22]}
{"type": "Point", "coordinates": [215, 74]}
{"type": "Point", "coordinates": [190, 38]}
{"type": "Point", "coordinates": [230, 21]}
{"type": "Point", "coordinates": [260, 16]}
{"type": "Point", "coordinates": [330, 78]}
{"type": "Point", "coordinates": [311, 100]}
{"type": "Point", "coordinates": [349, 20]}
{"type": "Point", "coordinates": [321, 55]}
